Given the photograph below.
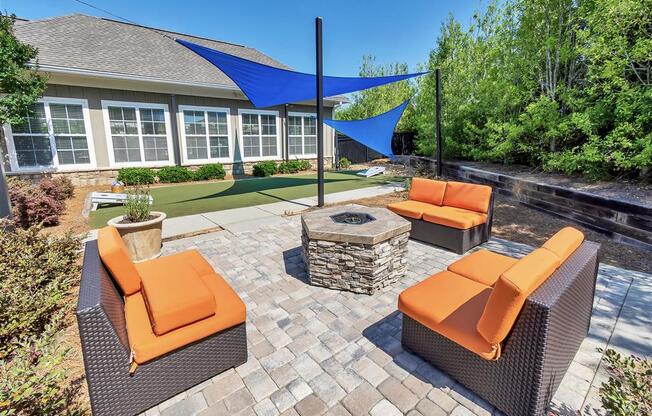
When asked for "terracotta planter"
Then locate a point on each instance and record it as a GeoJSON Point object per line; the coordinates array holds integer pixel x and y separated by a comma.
{"type": "Point", "coordinates": [143, 239]}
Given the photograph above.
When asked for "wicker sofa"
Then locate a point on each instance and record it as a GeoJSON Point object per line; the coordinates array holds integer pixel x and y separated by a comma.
{"type": "Point", "coordinates": [507, 329]}
{"type": "Point", "coordinates": [453, 215]}
{"type": "Point", "coordinates": [142, 346]}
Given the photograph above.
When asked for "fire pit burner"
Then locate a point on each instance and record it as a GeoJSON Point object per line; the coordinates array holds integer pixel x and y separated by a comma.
{"type": "Point", "coordinates": [353, 218]}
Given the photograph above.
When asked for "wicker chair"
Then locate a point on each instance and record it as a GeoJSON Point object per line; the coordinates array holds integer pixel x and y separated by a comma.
{"type": "Point", "coordinates": [105, 345]}
{"type": "Point", "coordinates": [537, 352]}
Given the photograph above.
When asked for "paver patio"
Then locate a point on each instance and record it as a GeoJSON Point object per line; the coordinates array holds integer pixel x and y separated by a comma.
{"type": "Point", "coordinates": [317, 351]}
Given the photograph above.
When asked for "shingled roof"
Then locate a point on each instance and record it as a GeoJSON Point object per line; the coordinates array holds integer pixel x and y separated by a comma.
{"type": "Point", "coordinates": [91, 43]}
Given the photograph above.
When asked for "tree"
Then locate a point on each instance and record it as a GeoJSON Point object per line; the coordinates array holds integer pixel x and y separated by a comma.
{"type": "Point", "coordinates": [20, 86]}
{"type": "Point", "coordinates": [373, 101]}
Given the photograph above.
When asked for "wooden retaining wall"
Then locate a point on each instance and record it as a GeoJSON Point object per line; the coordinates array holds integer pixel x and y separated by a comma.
{"type": "Point", "coordinates": [623, 221]}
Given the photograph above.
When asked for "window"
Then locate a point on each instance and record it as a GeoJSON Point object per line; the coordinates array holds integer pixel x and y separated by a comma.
{"type": "Point", "coordinates": [206, 133]}
{"type": "Point", "coordinates": [259, 134]}
{"type": "Point", "coordinates": [302, 134]}
{"type": "Point", "coordinates": [138, 133]}
{"type": "Point", "coordinates": [54, 135]}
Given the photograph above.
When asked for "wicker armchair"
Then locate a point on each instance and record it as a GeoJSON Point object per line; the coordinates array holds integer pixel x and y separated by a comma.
{"type": "Point", "coordinates": [538, 350]}
{"type": "Point", "coordinates": [105, 345]}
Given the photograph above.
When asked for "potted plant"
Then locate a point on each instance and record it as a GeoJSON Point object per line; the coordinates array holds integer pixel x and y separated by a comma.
{"type": "Point", "coordinates": [140, 227]}
{"type": "Point", "coordinates": [117, 187]}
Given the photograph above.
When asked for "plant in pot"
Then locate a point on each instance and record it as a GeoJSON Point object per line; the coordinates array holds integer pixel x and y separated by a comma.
{"type": "Point", "coordinates": [140, 227]}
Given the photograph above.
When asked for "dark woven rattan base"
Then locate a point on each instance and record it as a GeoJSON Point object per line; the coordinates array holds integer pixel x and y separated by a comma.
{"type": "Point", "coordinates": [539, 349]}
{"type": "Point", "coordinates": [102, 329]}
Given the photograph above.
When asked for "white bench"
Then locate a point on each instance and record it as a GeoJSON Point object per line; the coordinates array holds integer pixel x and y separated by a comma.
{"type": "Point", "coordinates": [373, 171]}
{"type": "Point", "coordinates": [98, 198]}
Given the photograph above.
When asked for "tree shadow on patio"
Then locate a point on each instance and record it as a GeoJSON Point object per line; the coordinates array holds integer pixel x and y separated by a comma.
{"type": "Point", "coordinates": [294, 264]}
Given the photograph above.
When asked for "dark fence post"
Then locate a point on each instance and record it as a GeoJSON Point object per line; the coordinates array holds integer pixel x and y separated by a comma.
{"type": "Point", "coordinates": [438, 121]}
{"type": "Point", "coordinates": [320, 113]}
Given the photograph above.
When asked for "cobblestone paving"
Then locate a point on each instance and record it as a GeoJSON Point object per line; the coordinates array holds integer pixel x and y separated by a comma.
{"type": "Point", "coordinates": [315, 351]}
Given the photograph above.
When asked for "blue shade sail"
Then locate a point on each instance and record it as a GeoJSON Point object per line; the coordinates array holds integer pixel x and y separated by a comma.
{"type": "Point", "coordinates": [266, 86]}
{"type": "Point", "coordinates": [374, 132]}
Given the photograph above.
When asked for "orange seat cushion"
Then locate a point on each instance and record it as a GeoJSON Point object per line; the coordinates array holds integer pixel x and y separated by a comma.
{"type": "Point", "coordinates": [564, 242]}
{"type": "Point", "coordinates": [510, 292]}
{"type": "Point", "coordinates": [427, 190]}
{"type": "Point", "coordinates": [454, 217]}
{"type": "Point", "coordinates": [467, 196]}
{"type": "Point", "coordinates": [450, 305]}
{"type": "Point", "coordinates": [115, 256]}
{"type": "Point", "coordinates": [411, 209]}
{"type": "Point", "coordinates": [147, 345]}
{"type": "Point", "coordinates": [483, 266]}
{"type": "Point", "coordinates": [175, 294]}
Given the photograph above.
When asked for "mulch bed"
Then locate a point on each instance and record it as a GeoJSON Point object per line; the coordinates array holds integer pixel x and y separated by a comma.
{"type": "Point", "coordinates": [515, 222]}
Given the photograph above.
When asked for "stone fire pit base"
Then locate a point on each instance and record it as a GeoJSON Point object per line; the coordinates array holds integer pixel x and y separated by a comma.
{"type": "Point", "coordinates": [368, 257]}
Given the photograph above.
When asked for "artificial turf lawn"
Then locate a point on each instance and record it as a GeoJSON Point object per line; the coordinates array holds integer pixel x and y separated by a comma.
{"type": "Point", "coordinates": [178, 200]}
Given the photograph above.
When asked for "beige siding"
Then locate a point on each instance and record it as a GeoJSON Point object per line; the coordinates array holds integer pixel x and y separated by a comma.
{"type": "Point", "coordinates": [95, 96]}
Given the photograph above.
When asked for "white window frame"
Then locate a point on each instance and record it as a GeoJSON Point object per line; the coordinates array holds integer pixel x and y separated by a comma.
{"type": "Point", "coordinates": [184, 144]}
{"type": "Point", "coordinates": [137, 106]}
{"type": "Point", "coordinates": [303, 135]}
{"type": "Point", "coordinates": [55, 167]}
{"type": "Point", "coordinates": [278, 155]}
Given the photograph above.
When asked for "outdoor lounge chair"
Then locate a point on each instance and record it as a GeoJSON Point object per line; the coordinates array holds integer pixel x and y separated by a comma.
{"type": "Point", "coordinates": [453, 215]}
{"type": "Point", "coordinates": [507, 329]}
{"type": "Point", "coordinates": [153, 329]}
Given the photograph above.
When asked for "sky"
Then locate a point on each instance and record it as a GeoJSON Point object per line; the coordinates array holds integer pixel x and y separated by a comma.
{"type": "Point", "coordinates": [393, 31]}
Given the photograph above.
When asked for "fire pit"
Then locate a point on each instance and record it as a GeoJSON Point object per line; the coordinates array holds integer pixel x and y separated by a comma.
{"type": "Point", "coordinates": [354, 248]}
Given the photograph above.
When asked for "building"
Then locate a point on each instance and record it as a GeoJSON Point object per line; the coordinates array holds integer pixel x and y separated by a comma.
{"type": "Point", "coordinates": [124, 95]}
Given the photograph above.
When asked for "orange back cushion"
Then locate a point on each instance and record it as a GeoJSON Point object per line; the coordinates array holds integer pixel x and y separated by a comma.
{"type": "Point", "coordinates": [468, 196]}
{"type": "Point", "coordinates": [564, 242]}
{"type": "Point", "coordinates": [427, 190]}
{"type": "Point", "coordinates": [510, 292]}
{"type": "Point", "coordinates": [115, 257]}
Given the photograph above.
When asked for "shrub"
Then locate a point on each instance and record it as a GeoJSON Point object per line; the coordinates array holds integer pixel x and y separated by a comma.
{"type": "Point", "coordinates": [37, 273]}
{"type": "Point", "coordinates": [137, 208]}
{"type": "Point", "coordinates": [304, 165]}
{"type": "Point", "coordinates": [344, 163]}
{"type": "Point", "coordinates": [136, 176]}
{"type": "Point", "coordinates": [292, 166]}
{"type": "Point", "coordinates": [264, 168]}
{"type": "Point", "coordinates": [210, 171]}
{"type": "Point", "coordinates": [174, 174]}
{"type": "Point", "coordinates": [58, 188]}
{"type": "Point", "coordinates": [629, 388]}
{"type": "Point", "coordinates": [31, 205]}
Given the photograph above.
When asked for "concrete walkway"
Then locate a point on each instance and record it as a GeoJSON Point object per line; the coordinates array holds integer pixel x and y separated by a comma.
{"type": "Point", "coordinates": [246, 218]}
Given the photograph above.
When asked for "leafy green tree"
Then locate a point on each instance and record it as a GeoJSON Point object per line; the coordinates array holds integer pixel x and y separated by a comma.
{"type": "Point", "coordinates": [20, 84]}
{"type": "Point", "coordinates": [371, 102]}
{"type": "Point", "coordinates": [20, 87]}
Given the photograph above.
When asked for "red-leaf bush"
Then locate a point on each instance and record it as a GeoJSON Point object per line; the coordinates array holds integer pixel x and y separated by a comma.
{"type": "Point", "coordinates": [32, 205]}
{"type": "Point", "coordinates": [60, 188]}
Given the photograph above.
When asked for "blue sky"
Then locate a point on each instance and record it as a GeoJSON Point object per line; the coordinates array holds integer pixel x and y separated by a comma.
{"type": "Point", "coordinates": [393, 31]}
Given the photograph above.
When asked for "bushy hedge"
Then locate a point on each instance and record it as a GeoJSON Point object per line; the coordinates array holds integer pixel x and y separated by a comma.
{"type": "Point", "coordinates": [264, 168]}
{"type": "Point", "coordinates": [37, 273]}
{"type": "Point", "coordinates": [174, 174]}
{"type": "Point", "coordinates": [210, 171]}
{"type": "Point", "coordinates": [60, 188]}
{"type": "Point", "coordinates": [136, 176]}
{"type": "Point", "coordinates": [344, 163]}
{"type": "Point", "coordinates": [292, 166]}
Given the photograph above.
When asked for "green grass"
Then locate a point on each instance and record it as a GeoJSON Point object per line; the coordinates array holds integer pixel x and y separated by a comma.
{"type": "Point", "coordinates": [178, 200]}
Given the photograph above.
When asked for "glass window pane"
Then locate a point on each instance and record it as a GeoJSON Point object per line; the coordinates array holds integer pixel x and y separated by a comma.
{"type": "Point", "coordinates": [77, 126]}
{"type": "Point", "coordinates": [60, 126]}
{"type": "Point", "coordinates": [63, 143]}
{"type": "Point", "coordinates": [145, 114]}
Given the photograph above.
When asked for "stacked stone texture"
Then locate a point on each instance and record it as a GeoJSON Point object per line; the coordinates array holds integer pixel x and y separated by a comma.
{"type": "Point", "coordinates": [359, 268]}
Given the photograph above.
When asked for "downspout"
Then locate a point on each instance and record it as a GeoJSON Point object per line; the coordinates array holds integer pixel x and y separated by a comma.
{"type": "Point", "coordinates": [286, 132]}
{"type": "Point", "coordinates": [174, 114]}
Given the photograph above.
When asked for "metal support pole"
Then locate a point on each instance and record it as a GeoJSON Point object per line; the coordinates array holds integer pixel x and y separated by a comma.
{"type": "Point", "coordinates": [320, 113]}
{"type": "Point", "coordinates": [5, 204]}
{"type": "Point", "coordinates": [286, 132]}
{"type": "Point", "coordinates": [438, 121]}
